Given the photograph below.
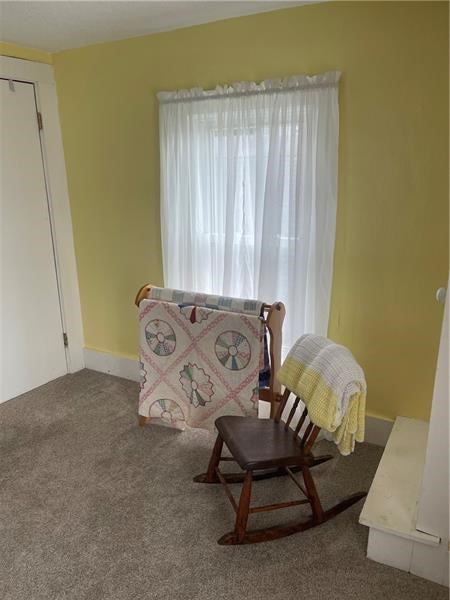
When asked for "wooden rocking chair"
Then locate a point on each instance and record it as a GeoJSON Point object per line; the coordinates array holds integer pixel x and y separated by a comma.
{"type": "Point", "coordinates": [266, 448]}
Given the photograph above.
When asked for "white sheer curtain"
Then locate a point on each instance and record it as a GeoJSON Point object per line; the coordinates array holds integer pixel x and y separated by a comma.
{"type": "Point", "coordinates": [248, 193]}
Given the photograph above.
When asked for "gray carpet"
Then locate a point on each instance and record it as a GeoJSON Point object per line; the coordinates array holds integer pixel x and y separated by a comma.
{"type": "Point", "coordinates": [94, 507]}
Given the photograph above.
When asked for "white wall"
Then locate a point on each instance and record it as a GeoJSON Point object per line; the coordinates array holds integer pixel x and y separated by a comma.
{"type": "Point", "coordinates": [433, 509]}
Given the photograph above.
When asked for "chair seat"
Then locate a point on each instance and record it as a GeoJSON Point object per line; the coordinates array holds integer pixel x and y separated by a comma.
{"type": "Point", "coordinates": [259, 443]}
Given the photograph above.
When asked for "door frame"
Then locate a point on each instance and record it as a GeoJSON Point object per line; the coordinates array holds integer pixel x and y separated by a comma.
{"type": "Point", "coordinates": [41, 75]}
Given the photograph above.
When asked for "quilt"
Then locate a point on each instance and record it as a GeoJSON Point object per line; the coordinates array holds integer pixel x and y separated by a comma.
{"type": "Point", "coordinates": [197, 363]}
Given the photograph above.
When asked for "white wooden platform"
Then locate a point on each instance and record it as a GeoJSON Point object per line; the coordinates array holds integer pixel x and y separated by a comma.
{"type": "Point", "coordinates": [390, 509]}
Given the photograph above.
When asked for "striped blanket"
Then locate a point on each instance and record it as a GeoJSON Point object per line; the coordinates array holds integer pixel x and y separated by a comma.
{"type": "Point", "coordinates": [332, 385]}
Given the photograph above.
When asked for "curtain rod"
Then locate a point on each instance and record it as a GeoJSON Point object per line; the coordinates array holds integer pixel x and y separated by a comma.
{"type": "Point", "coordinates": [270, 91]}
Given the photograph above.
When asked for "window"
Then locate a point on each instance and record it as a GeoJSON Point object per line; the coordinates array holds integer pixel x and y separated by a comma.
{"type": "Point", "coordinates": [248, 193]}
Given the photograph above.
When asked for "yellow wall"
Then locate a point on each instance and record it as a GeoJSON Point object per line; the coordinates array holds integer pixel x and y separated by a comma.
{"type": "Point", "coordinates": [392, 226]}
{"type": "Point", "coordinates": [17, 51]}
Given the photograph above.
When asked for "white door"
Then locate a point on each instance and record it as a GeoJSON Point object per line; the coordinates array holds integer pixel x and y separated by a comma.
{"type": "Point", "coordinates": [32, 347]}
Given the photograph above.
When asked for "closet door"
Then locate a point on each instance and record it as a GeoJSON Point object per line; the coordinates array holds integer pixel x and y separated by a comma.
{"type": "Point", "coordinates": [32, 347]}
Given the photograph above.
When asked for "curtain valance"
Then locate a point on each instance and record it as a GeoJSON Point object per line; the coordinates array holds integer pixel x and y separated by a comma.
{"type": "Point", "coordinates": [249, 88]}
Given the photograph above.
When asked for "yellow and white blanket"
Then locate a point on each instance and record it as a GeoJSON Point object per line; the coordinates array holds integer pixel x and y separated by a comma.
{"type": "Point", "coordinates": [327, 378]}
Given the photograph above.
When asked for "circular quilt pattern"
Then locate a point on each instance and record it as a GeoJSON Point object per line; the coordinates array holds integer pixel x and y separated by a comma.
{"type": "Point", "coordinates": [233, 350]}
{"type": "Point", "coordinates": [160, 337]}
{"type": "Point", "coordinates": [168, 411]}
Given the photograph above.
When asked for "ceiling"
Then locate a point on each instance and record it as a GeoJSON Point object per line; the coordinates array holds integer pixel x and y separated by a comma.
{"type": "Point", "coordinates": [55, 26]}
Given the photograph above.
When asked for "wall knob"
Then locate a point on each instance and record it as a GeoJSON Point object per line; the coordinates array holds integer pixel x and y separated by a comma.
{"type": "Point", "coordinates": [440, 295]}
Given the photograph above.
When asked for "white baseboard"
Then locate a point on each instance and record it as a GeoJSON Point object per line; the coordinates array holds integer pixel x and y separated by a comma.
{"type": "Point", "coordinates": [377, 430]}
{"type": "Point", "coordinates": [120, 366]}
{"type": "Point", "coordinates": [425, 560]}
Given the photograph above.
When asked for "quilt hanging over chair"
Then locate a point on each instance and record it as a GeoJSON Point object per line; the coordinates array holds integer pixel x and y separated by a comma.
{"type": "Point", "coordinates": [198, 362]}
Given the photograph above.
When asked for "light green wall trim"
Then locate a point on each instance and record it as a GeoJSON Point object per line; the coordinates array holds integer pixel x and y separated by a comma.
{"type": "Point", "coordinates": [18, 51]}
{"type": "Point", "coordinates": [392, 224]}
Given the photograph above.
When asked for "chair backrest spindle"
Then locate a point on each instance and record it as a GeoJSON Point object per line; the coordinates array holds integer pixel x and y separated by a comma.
{"type": "Point", "coordinates": [308, 430]}
{"type": "Point", "coordinates": [284, 399]}
{"type": "Point", "coordinates": [312, 438]}
{"type": "Point", "coordinates": [291, 413]}
{"type": "Point", "coordinates": [311, 431]}
{"type": "Point", "coordinates": [301, 421]}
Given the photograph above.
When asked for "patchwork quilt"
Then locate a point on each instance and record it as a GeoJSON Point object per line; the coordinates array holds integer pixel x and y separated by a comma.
{"type": "Point", "coordinates": [237, 305]}
{"type": "Point", "coordinates": [197, 363]}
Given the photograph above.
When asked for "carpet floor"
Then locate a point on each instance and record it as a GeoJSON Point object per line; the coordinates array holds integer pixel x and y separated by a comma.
{"type": "Point", "coordinates": [94, 507]}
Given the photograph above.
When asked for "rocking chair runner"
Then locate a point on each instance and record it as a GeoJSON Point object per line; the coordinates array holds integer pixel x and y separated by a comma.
{"type": "Point", "coordinates": [266, 448]}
